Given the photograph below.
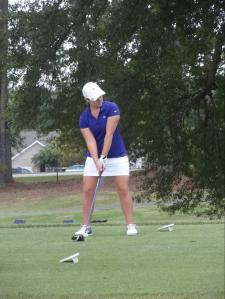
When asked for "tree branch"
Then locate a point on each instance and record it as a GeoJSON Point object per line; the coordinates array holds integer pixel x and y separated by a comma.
{"type": "Point", "coordinates": [216, 59]}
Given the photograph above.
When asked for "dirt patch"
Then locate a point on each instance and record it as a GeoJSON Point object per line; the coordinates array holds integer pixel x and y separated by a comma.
{"type": "Point", "coordinates": [14, 191]}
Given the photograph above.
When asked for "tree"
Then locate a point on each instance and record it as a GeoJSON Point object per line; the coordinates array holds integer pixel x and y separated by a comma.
{"type": "Point", "coordinates": [162, 61]}
{"type": "Point", "coordinates": [176, 70]}
{"type": "Point", "coordinates": [69, 150]}
{"type": "Point", "coordinates": [54, 49]}
{"type": "Point", "coordinates": [46, 157]}
{"type": "Point", "coordinates": [5, 142]}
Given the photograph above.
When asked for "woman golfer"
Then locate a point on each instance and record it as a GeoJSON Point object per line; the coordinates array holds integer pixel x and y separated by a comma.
{"type": "Point", "coordinates": [106, 154]}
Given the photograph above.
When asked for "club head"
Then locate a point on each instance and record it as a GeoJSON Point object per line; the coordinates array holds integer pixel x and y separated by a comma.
{"type": "Point", "coordinates": [78, 238]}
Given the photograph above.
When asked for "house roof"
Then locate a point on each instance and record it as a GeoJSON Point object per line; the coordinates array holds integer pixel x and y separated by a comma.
{"type": "Point", "coordinates": [27, 148]}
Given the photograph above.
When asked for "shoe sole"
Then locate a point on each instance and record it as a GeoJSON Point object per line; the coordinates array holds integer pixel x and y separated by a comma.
{"type": "Point", "coordinates": [84, 234]}
{"type": "Point", "coordinates": [78, 238]}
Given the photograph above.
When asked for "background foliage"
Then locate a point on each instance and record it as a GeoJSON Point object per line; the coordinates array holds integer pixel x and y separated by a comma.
{"type": "Point", "coordinates": [161, 61]}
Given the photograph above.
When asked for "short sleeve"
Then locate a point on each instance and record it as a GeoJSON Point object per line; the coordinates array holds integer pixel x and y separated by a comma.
{"type": "Point", "coordinates": [83, 123]}
{"type": "Point", "coordinates": [113, 110]}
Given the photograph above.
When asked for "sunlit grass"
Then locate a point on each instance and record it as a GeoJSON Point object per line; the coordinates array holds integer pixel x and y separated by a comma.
{"type": "Point", "coordinates": [50, 178]}
{"type": "Point", "coordinates": [184, 264]}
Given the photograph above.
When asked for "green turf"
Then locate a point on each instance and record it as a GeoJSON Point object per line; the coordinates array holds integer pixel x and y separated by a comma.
{"type": "Point", "coordinates": [51, 178]}
{"type": "Point", "coordinates": [186, 263]}
{"type": "Point", "coordinates": [54, 210]}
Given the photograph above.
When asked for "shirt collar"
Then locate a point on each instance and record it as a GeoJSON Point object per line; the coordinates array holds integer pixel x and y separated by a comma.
{"type": "Point", "coordinates": [102, 108]}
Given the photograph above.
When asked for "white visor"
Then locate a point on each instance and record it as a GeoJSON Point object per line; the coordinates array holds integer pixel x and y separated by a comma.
{"type": "Point", "coordinates": [92, 91]}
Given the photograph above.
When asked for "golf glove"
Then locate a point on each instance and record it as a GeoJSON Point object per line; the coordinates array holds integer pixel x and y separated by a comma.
{"type": "Point", "coordinates": [103, 160]}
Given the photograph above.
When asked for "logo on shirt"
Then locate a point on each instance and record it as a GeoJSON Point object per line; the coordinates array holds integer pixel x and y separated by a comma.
{"type": "Point", "coordinates": [103, 116]}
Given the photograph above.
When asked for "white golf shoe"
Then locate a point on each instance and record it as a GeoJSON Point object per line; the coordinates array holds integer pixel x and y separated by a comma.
{"type": "Point", "coordinates": [131, 230]}
{"type": "Point", "coordinates": [85, 230]}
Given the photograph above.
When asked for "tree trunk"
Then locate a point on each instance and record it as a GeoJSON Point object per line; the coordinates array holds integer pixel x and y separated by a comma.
{"type": "Point", "coordinates": [5, 140]}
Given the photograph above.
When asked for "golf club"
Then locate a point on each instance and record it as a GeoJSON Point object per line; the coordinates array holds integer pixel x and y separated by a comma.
{"type": "Point", "coordinates": [81, 237]}
{"type": "Point", "coordinates": [94, 197]}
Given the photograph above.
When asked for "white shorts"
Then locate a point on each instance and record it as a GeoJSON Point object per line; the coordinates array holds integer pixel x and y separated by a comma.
{"type": "Point", "coordinates": [114, 167]}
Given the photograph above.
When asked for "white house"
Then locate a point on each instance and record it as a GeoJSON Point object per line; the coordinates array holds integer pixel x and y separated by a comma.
{"type": "Point", "coordinates": [24, 158]}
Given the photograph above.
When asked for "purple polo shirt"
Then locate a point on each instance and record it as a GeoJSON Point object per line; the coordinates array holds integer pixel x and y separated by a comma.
{"type": "Point", "coordinates": [98, 129]}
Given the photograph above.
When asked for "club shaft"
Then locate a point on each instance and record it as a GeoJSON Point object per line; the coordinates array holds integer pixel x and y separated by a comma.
{"type": "Point", "coordinates": [93, 199]}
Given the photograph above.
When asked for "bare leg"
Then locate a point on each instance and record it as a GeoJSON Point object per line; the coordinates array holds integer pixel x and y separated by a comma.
{"type": "Point", "coordinates": [122, 187]}
{"type": "Point", "coordinates": [89, 184]}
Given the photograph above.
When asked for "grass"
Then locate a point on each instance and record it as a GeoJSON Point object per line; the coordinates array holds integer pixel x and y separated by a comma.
{"type": "Point", "coordinates": [187, 263]}
{"type": "Point", "coordinates": [54, 210]}
{"type": "Point", "coordinates": [42, 179]}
